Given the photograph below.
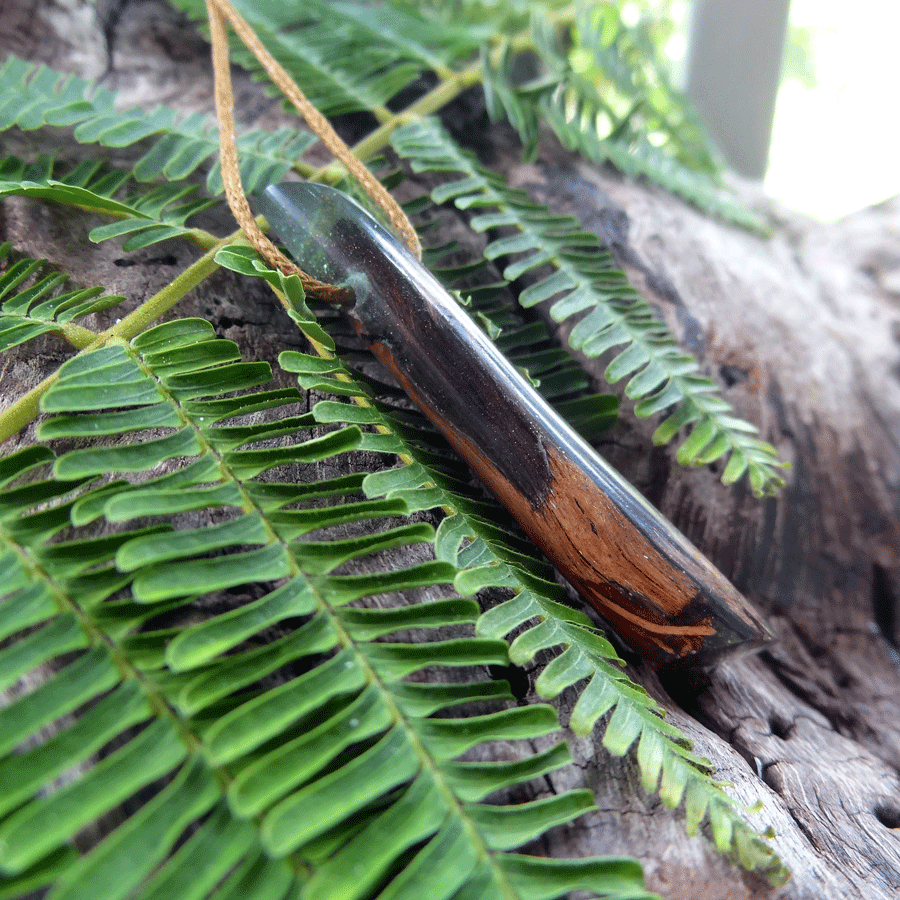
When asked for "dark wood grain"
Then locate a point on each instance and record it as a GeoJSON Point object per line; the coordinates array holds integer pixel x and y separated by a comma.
{"type": "Point", "coordinates": [636, 569]}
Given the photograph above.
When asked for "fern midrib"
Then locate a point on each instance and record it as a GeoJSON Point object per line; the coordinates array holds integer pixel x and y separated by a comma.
{"type": "Point", "coordinates": [438, 97]}
{"type": "Point", "coordinates": [344, 640]}
{"type": "Point", "coordinates": [455, 806]}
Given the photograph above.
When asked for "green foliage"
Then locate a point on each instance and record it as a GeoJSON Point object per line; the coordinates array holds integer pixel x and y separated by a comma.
{"type": "Point", "coordinates": [290, 745]}
{"type": "Point", "coordinates": [147, 217]}
{"type": "Point", "coordinates": [341, 752]}
{"type": "Point", "coordinates": [40, 306]}
{"type": "Point", "coordinates": [346, 59]}
{"type": "Point", "coordinates": [604, 93]}
{"type": "Point", "coordinates": [34, 97]}
{"type": "Point", "coordinates": [661, 374]}
{"type": "Point", "coordinates": [584, 281]}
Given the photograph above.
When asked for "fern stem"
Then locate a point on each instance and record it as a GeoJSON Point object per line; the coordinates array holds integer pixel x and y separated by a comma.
{"type": "Point", "coordinates": [149, 311]}
{"type": "Point", "coordinates": [16, 416]}
{"type": "Point", "coordinates": [205, 240]}
{"type": "Point", "coordinates": [77, 335]}
{"type": "Point", "coordinates": [431, 102]}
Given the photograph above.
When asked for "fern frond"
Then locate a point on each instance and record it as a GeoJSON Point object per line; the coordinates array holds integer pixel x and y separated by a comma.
{"type": "Point", "coordinates": [335, 777]}
{"type": "Point", "coordinates": [484, 554]}
{"type": "Point", "coordinates": [146, 217]}
{"type": "Point", "coordinates": [626, 61]}
{"type": "Point", "coordinates": [434, 44]}
{"type": "Point", "coordinates": [605, 95]}
{"type": "Point", "coordinates": [585, 281]}
{"type": "Point", "coordinates": [33, 96]}
{"type": "Point", "coordinates": [343, 64]}
{"type": "Point", "coordinates": [31, 303]}
{"type": "Point", "coordinates": [537, 613]}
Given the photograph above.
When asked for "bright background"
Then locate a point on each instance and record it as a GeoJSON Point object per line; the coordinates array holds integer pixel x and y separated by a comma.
{"type": "Point", "coordinates": [836, 137]}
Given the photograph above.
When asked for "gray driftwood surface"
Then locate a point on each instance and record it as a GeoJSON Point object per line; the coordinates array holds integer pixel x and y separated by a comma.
{"type": "Point", "coordinates": [801, 330]}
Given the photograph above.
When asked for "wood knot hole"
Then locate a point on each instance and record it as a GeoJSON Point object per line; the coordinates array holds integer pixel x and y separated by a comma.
{"type": "Point", "coordinates": [889, 816]}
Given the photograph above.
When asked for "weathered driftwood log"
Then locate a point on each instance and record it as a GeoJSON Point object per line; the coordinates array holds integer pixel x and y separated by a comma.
{"type": "Point", "coordinates": [802, 331]}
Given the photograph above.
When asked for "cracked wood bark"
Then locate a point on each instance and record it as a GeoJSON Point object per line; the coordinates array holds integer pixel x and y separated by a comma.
{"type": "Point", "coordinates": [802, 332]}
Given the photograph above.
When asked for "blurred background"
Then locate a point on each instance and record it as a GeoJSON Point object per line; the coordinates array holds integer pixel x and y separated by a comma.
{"type": "Point", "coordinates": [829, 99]}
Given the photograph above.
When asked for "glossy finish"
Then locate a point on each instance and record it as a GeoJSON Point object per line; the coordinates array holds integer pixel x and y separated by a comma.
{"type": "Point", "coordinates": [637, 570]}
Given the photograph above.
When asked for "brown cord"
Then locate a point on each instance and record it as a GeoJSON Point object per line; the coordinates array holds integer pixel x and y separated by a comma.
{"type": "Point", "coordinates": [231, 176]}
{"type": "Point", "coordinates": [218, 11]}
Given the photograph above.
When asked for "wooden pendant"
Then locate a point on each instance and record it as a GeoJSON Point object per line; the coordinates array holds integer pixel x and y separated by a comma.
{"type": "Point", "coordinates": [644, 577]}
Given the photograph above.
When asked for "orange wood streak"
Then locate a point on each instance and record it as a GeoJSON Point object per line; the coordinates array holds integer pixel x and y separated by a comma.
{"type": "Point", "coordinates": [599, 542]}
{"type": "Point", "coordinates": [636, 569]}
{"type": "Point", "coordinates": [613, 566]}
{"type": "Point", "coordinates": [618, 570]}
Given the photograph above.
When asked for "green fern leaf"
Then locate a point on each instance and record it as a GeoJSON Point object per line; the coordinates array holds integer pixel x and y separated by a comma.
{"type": "Point", "coordinates": [585, 282]}
{"type": "Point", "coordinates": [147, 218]}
{"type": "Point", "coordinates": [605, 95]}
{"type": "Point", "coordinates": [538, 879]}
{"type": "Point", "coordinates": [31, 302]}
{"type": "Point", "coordinates": [35, 97]}
{"type": "Point", "coordinates": [191, 705]}
{"type": "Point", "coordinates": [330, 53]}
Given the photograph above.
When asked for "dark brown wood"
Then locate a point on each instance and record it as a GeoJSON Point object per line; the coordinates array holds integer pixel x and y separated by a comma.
{"type": "Point", "coordinates": [639, 572]}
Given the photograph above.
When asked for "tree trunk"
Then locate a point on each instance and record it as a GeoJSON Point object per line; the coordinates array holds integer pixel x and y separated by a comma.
{"type": "Point", "coordinates": [801, 330]}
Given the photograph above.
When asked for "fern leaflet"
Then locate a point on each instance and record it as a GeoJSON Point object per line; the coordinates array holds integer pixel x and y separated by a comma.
{"type": "Point", "coordinates": [145, 218]}
{"type": "Point", "coordinates": [343, 65]}
{"type": "Point", "coordinates": [31, 303]}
